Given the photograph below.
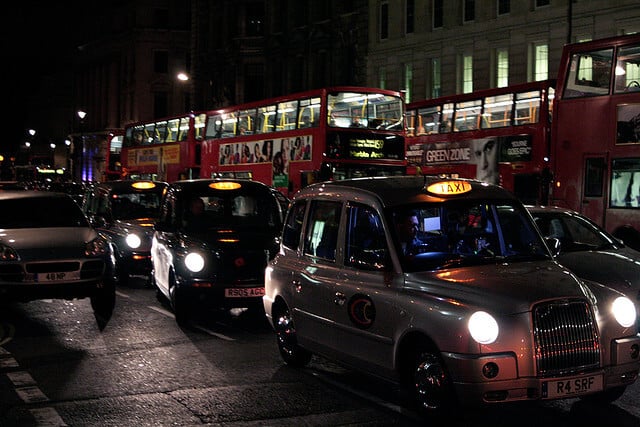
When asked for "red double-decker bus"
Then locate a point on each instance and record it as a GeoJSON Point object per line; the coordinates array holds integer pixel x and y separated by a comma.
{"type": "Point", "coordinates": [165, 149]}
{"type": "Point", "coordinates": [596, 133]}
{"type": "Point", "coordinates": [294, 140]}
{"type": "Point", "coordinates": [500, 136]}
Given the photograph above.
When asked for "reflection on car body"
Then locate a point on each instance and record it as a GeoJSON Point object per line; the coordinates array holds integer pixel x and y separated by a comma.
{"type": "Point", "coordinates": [126, 211]}
{"type": "Point", "coordinates": [478, 310]}
{"type": "Point", "coordinates": [588, 250]}
{"type": "Point", "coordinates": [49, 250]}
{"type": "Point", "coordinates": [212, 243]}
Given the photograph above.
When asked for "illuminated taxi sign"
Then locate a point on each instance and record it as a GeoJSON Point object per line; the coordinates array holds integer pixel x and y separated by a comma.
{"type": "Point", "coordinates": [225, 185]}
{"type": "Point", "coordinates": [143, 185]}
{"type": "Point", "coordinates": [449, 188]}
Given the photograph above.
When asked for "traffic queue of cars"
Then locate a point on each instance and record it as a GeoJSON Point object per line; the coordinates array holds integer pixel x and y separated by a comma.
{"type": "Point", "coordinates": [451, 288]}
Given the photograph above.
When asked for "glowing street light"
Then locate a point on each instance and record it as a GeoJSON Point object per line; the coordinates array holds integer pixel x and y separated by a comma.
{"type": "Point", "coordinates": [182, 77]}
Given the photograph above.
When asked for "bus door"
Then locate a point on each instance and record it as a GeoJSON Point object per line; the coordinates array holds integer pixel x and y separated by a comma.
{"type": "Point", "coordinates": [593, 197]}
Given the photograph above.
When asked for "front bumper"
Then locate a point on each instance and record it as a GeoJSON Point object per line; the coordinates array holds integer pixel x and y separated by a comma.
{"type": "Point", "coordinates": [220, 295]}
{"type": "Point", "coordinates": [25, 292]}
{"type": "Point", "coordinates": [471, 385]}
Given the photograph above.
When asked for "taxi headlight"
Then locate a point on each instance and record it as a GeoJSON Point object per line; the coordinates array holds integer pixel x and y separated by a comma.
{"type": "Point", "coordinates": [133, 241]}
{"type": "Point", "coordinates": [7, 253]}
{"type": "Point", "coordinates": [96, 247]}
{"type": "Point", "coordinates": [483, 327]}
{"type": "Point", "coordinates": [194, 262]}
{"type": "Point", "coordinates": [624, 311]}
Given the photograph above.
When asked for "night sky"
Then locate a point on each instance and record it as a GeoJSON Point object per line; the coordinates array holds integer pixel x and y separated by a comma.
{"type": "Point", "coordinates": [38, 38]}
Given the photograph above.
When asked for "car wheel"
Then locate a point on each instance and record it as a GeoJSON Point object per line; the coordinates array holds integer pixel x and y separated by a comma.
{"type": "Point", "coordinates": [431, 385]}
{"type": "Point", "coordinates": [291, 353]}
{"type": "Point", "coordinates": [178, 302]}
{"type": "Point", "coordinates": [102, 303]}
{"type": "Point", "coordinates": [605, 397]}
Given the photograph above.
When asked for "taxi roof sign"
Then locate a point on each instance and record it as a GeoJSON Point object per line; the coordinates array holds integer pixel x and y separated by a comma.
{"type": "Point", "coordinates": [225, 185]}
{"type": "Point", "coordinates": [449, 188]}
{"type": "Point", "coordinates": [143, 185]}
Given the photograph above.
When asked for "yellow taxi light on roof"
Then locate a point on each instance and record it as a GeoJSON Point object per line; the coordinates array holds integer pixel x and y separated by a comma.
{"type": "Point", "coordinates": [143, 185]}
{"type": "Point", "coordinates": [225, 185]}
{"type": "Point", "coordinates": [449, 188]}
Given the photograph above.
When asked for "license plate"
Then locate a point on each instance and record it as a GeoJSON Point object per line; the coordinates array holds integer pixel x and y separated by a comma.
{"type": "Point", "coordinates": [571, 386]}
{"type": "Point", "coordinates": [243, 292]}
{"type": "Point", "coordinates": [61, 276]}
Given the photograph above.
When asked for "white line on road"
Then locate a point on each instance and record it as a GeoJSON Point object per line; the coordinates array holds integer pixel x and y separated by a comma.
{"type": "Point", "coordinates": [123, 295]}
{"type": "Point", "coordinates": [212, 333]}
{"type": "Point", "coordinates": [371, 398]}
{"type": "Point", "coordinates": [47, 417]}
{"type": "Point", "coordinates": [161, 311]}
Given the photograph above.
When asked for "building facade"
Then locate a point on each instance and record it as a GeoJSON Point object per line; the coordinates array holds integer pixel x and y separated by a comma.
{"type": "Point", "coordinates": [432, 48]}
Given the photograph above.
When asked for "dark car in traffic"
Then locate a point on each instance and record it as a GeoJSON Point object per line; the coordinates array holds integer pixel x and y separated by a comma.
{"type": "Point", "coordinates": [48, 250]}
{"type": "Point", "coordinates": [126, 211]}
{"type": "Point", "coordinates": [212, 242]}
{"type": "Point", "coordinates": [590, 251]}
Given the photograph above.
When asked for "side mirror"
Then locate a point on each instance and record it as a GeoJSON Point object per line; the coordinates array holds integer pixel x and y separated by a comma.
{"type": "Point", "coordinates": [554, 244]}
{"type": "Point", "coordinates": [98, 221]}
{"type": "Point", "coordinates": [163, 226]}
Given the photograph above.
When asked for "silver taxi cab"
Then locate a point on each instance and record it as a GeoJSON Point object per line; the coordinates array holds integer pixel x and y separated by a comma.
{"type": "Point", "coordinates": [447, 288]}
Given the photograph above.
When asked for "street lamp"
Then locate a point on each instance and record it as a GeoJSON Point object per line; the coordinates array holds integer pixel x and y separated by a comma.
{"type": "Point", "coordinates": [81, 116]}
{"type": "Point", "coordinates": [53, 155]}
{"type": "Point", "coordinates": [67, 142]}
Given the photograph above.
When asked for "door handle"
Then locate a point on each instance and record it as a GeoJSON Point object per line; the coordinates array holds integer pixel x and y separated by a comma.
{"type": "Point", "coordinates": [339, 299]}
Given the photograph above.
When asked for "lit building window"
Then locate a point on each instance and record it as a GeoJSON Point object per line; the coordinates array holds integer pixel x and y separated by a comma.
{"type": "Point", "coordinates": [467, 74]}
{"type": "Point", "coordinates": [502, 68]}
{"type": "Point", "coordinates": [541, 62]}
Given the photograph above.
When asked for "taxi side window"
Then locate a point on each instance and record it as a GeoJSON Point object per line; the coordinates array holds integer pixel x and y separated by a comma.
{"type": "Point", "coordinates": [321, 236]}
{"type": "Point", "coordinates": [366, 246]}
{"type": "Point", "coordinates": [293, 226]}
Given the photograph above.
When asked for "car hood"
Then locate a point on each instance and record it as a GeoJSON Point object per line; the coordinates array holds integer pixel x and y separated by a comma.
{"type": "Point", "coordinates": [48, 243]}
{"type": "Point", "coordinates": [144, 225]}
{"type": "Point", "coordinates": [507, 288]}
{"type": "Point", "coordinates": [238, 238]}
{"type": "Point", "coordinates": [618, 269]}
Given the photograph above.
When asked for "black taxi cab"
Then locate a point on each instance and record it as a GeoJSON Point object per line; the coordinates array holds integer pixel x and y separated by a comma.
{"type": "Point", "coordinates": [212, 243]}
{"type": "Point", "coordinates": [126, 211]}
{"type": "Point", "coordinates": [447, 288]}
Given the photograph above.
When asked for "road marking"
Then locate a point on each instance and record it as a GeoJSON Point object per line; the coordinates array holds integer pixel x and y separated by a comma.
{"type": "Point", "coordinates": [161, 311]}
{"type": "Point", "coordinates": [123, 295]}
{"type": "Point", "coordinates": [21, 379]}
{"type": "Point", "coordinates": [371, 398]}
{"type": "Point", "coordinates": [212, 333]}
{"type": "Point", "coordinates": [8, 362]}
{"type": "Point", "coordinates": [47, 417]}
{"type": "Point", "coordinates": [31, 394]}
{"type": "Point", "coordinates": [6, 333]}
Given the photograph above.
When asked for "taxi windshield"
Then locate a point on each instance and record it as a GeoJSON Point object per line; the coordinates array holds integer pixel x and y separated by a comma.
{"type": "Point", "coordinates": [136, 205]}
{"type": "Point", "coordinates": [243, 210]}
{"type": "Point", "coordinates": [436, 236]}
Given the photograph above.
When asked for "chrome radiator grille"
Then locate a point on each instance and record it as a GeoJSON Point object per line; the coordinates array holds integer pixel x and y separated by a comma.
{"type": "Point", "coordinates": [566, 338]}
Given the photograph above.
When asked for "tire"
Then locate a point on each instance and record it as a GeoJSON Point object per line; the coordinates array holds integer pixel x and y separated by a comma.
{"type": "Point", "coordinates": [103, 303]}
{"type": "Point", "coordinates": [431, 385]}
{"type": "Point", "coordinates": [605, 397]}
{"type": "Point", "coordinates": [178, 303]}
{"type": "Point", "coordinates": [290, 351]}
